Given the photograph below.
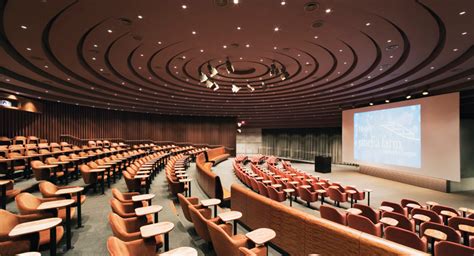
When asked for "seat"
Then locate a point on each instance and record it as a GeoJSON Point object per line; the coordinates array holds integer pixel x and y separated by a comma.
{"type": "Point", "coordinates": [332, 214]}
{"type": "Point", "coordinates": [142, 247]}
{"type": "Point", "coordinates": [257, 251]}
{"type": "Point", "coordinates": [407, 238]}
{"type": "Point", "coordinates": [19, 140]}
{"type": "Point", "coordinates": [185, 202]}
{"type": "Point", "coordinates": [452, 234]}
{"type": "Point", "coordinates": [224, 243]}
{"type": "Point", "coordinates": [307, 195]}
{"type": "Point", "coordinates": [454, 222]}
{"type": "Point", "coordinates": [396, 207]}
{"type": "Point", "coordinates": [11, 192]}
{"type": "Point", "coordinates": [403, 221]}
{"type": "Point", "coordinates": [125, 210]}
{"type": "Point", "coordinates": [434, 217]}
{"type": "Point", "coordinates": [5, 141]}
{"type": "Point", "coordinates": [19, 165]}
{"type": "Point", "coordinates": [128, 229]}
{"type": "Point", "coordinates": [446, 248]}
{"type": "Point", "coordinates": [404, 202]}
{"type": "Point", "coordinates": [27, 203]}
{"type": "Point", "coordinates": [123, 197]}
{"type": "Point", "coordinates": [134, 185]}
{"type": "Point", "coordinates": [200, 217]}
{"type": "Point", "coordinates": [336, 195]}
{"type": "Point", "coordinates": [276, 195]}
{"type": "Point", "coordinates": [48, 190]}
{"type": "Point", "coordinates": [368, 212]}
{"type": "Point", "coordinates": [364, 224]}
{"type": "Point", "coordinates": [262, 189]}
{"type": "Point", "coordinates": [21, 244]}
{"type": "Point", "coordinates": [42, 171]}
{"type": "Point", "coordinates": [92, 178]}
{"type": "Point", "coordinates": [440, 208]}
{"type": "Point", "coordinates": [32, 140]}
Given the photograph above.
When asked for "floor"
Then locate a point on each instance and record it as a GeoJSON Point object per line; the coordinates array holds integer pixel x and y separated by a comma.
{"type": "Point", "coordinates": [91, 239]}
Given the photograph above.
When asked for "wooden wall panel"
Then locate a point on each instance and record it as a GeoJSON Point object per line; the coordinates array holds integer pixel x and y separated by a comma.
{"type": "Point", "coordinates": [85, 122]}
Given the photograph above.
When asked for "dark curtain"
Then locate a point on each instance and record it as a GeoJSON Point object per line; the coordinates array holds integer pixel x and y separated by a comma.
{"type": "Point", "coordinates": [303, 143]}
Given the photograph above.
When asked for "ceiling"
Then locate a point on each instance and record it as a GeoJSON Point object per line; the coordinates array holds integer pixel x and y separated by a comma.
{"type": "Point", "coordinates": [147, 55]}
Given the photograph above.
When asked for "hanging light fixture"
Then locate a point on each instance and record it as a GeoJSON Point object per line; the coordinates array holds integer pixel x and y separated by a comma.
{"type": "Point", "coordinates": [250, 88]}
{"type": "Point", "coordinates": [284, 74]}
{"type": "Point", "coordinates": [216, 86]}
{"type": "Point", "coordinates": [273, 69]}
{"type": "Point", "coordinates": [229, 66]}
{"type": "Point", "coordinates": [212, 70]}
{"type": "Point", "coordinates": [209, 83]}
{"type": "Point", "coordinates": [203, 78]}
{"type": "Point", "coordinates": [235, 88]}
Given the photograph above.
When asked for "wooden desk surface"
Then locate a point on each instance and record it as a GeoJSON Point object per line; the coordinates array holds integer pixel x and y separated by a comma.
{"type": "Point", "coordinates": [65, 191]}
{"type": "Point", "coordinates": [143, 197]}
{"type": "Point", "coordinates": [55, 204]}
{"type": "Point", "coordinates": [141, 211]}
{"type": "Point", "coordinates": [156, 229]}
{"type": "Point", "coordinates": [34, 226]}
{"type": "Point", "coordinates": [436, 234]}
{"type": "Point", "coordinates": [305, 186]}
{"type": "Point", "coordinates": [466, 228]}
{"type": "Point", "coordinates": [261, 235]}
{"type": "Point", "coordinates": [421, 217]}
{"type": "Point", "coordinates": [230, 215]}
{"type": "Point", "coordinates": [351, 192]}
{"type": "Point", "coordinates": [367, 190]}
{"type": "Point", "coordinates": [276, 185]}
{"type": "Point", "coordinates": [389, 221]}
{"type": "Point", "coordinates": [320, 191]}
{"type": "Point", "coordinates": [181, 251]}
{"type": "Point", "coordinates": [4, 182]}
{"type": "Point", "coordinates": [414, 206]}
{"type": "Point", "coordinates": [354, 211]}
{"type": "Point", "coordinates": [141, 176]}
{"type": "Point", "coordinates": [448, 213]}
{"type": "Point", "coordinates": [210, 202]}
{"type": "Point", "coordinates": [97, 170]}
{"type": "Point", "coordinates": [288, 190]}
{"type": "Point", "coordinates": [185, 180]}
{"type": "Point", "coordinates": [386, 208]}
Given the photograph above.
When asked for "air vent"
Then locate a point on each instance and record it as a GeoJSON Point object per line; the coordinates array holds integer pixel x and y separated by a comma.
{"type": "Point", "coordinates": [311, 6]}
{"type": "Point", "coordinates": [234, 45]}
{"type": "Point", "coordinates": [137, 37]}
{"type": "Point", "coordinates": [391, 47]}
{"type": "Point", "coordinates": [221, 3]}
{"type": "Point", "coordinates": [308, 64]}
{"type": "Point", "coordinates": [318, 24]}
{"type": "Point", "coordinates": [125, 21]}
{"type": "Point", "coordinates": [36, 58]}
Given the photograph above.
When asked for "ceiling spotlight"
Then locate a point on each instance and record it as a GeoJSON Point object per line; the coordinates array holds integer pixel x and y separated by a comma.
{"type": "Point", "coordinates": [315, 37]}
{"type": "Point", "coordinates": [159, 42]}
{"type": "Point", "coordinates": [235, 88]}
{"type": "Point", "coordinates": [371, 103]}
{"type": "Point", "coordinates": [239, 124]}
{"type": "Point", "coordinates": [229, 66]}
{"type": "Point", "coordinates": [462, 13]}
{"type": "Point", "coordinates": [387, 101]}
{"type": "Point", "coordinates": [239, 28]}
{"type": "Point", "coordinates": [389, 41]}
{"type": "Point", "coordinates": [283, 2]}
{"type": "Point", "coordinates": [184, 6]}
{"type": "Point", "coordinates": [209, 83]}
{"type": "Point", "coordinates": [203, 78]}
{"type": "Point", "coordinates": [408, 97]}
{"type": "Point", "coordinates": [201, 50]}
{"type": "Point", "coordinates": [328, 10]}
{"type": "Point", "coordinates": [212, 70]}
{"type": "Point", "coordinates": [247, 45]}
{"type": "Point", "coordinates": [23, 27]}
{"type": "Point", "coordinates": [194, 32]}
{"type": "Point", "coordinates": [140, 17]}
{"type": "Point", "coordinates": [109, 30]}
{"type": "Point", "coordinates": [224, 46]}
{"type": "Point", "coordinates": [216, 86]}
{"type": "Point", "coordinates": [367, 24]}
{"type": "Point", "coordinates": [274, 47]}
{"type": "Point", "coordinates": [28, 49]}
{"type": "Point", "coordinates": [252, 89]}
{"type": "Point", "coordinates": [464, 33]}
{"type": "Point", "coordinates": [425, 92]}
{"type": "Point", "coordinates": [95, 46]}
{"type": "Point", "coordinates": [236, 1]}
{"type": "Point", "coordinates": [276, 29]}
{"type": "Point", "coordinates": [455, 49]}
{"type": "Point", "coordinates": [239, 130]}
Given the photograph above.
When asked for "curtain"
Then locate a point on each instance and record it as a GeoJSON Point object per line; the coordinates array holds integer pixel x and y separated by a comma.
{"type": "Point", "coordinates": [303, 144]}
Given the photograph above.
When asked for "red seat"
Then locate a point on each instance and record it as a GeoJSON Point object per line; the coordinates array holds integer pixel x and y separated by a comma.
{"type": "Point", "coordinates": [359, 195]}
{"type": "Point", "coordinates": [439, 208]}
{"type": "Point", "coordinates": [332, 214]}
{"type": "Point", "coordinates": [396, 207]}
{"type": "Point", "coordinates": [368, 212]}
{"type": "Point", "coordinates": [434, 217]}
{"type": "Point", "coordinates": [454, 222]}
{"type": "Point", "coordinates": [405, 203]}
{"type": "Point", "coordinates": [407, 238]}
{"type": "Point", "coordinates": [262, 189]}
{"type": "Point", "coordinates": [276, 195]}
{"type": "Point", "coordinates": [336, 195]}
{"type": "Point", "coordinates": [403, 221]}
{"type": "Point", "coordinates": [307, 195]}
{"type": "Point", "coordinates": [364, 224]}
{"type": "Point", "coordinates": [446, 248]}
{"type": "Point", "coordinates": [452, 234]}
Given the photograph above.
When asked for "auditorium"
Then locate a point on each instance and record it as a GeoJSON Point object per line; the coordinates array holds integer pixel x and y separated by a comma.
{"type": "Point", "coordinates": [236, 127]}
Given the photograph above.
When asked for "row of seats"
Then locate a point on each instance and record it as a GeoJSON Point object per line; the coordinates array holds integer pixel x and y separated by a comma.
{"type": "Point", "coordinates": [216, 155]}
{"type": "Point", "coordinates": [210, 182]}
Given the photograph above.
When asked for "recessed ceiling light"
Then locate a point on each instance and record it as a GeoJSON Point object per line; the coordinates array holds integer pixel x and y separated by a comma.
{"type": "Point", "coordinates": [28, 49]}
{"type": "Point", "coordinates": [109, 30]}
{"type": "Point", "coordinates": [387, 101]}
{"type": "Point", "coordinates": [340, 50]}
{"type": "Point", "coordinates": [46, 66]}
{"type": "Point", "coordinates": [408, 97]}
{"type": "Point", "coordinates": [389, 41]}
{"type": "Point", "coordinates": [201, 50]}
{"type": "Point", "coordinates": [101, 69]}
{"type": "Point", "coordinates": [345, 63]}
{"type": "Point", "coordinates": [276, 29]}
{"type": "Point", "coordinates": [283, 2]}
{"type": "Point", "coordinates": [23, 27]}
{"type": "Point", "coordinates": [247, 45]}
{"type": "Point", "coordinates": [184, 57]}
{"type": "Point", "coordinates": [425, 92]}
{"type": "Point", "coordinates": [194, 32]}
{"type": "Point", "coordinates": [159, 42]}
{"type": "Point", "coordinates": [95, 46]}
{"type": "Point", "coordinates": [69, 79]}
{"type": "Point", "coordinates": [261, 60]}
{"type": "Point", "coordinates": [468, 78]}
{"type": "Point", "coordinates": [224, 46]}
{"type": "Point", "coordinates": [464, 33]}
{"type": "Point", "coordinates": [239, 28]}
{"type": "Point", "coordinates": [432, 67]}
{"type": "Point", "coordinates": [455, 49]}
{"type": "Point", "coordinates": [93, 58]}
{"type": "Point", "coordinates": [123, 83]}
{"type": "Point", "coordinates": [367, 24]}
{"type": "Point", "coordinates": [236, 1]}
{"type": "Point", "coordinates": [184, 6]}
{"type": "Point", "coordinates": [141, 55]}
{"type": "Point", "coordinates": [316, 37]}
{"type": "Point", "coordinates": [140, 17]}
{"type": "Point", "coordinates": [175, 67]}
{"type": "Point", "coordinates": [328, 10]}
{"type": "Point", "coordinates": [139, 67]}
{"type": "Point", "coordinates": [462, 13]}
{"type": "Point", "coordinates": [391, 57]}
{"type": "Point", "coordinates": [241, 58]}
{"type": "Point", "coordinates": [371, 104]}
{"type": "Point", "coordinates": [274, 48]}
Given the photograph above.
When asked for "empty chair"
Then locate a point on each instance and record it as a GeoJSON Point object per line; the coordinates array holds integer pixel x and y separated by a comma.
{"type": "Point", "coordinates": [42, 171]}
{"type": "Point", "coordinates": [364, 224]}
{"type": "Point", "coordinates": [403, 221]}
{"type": "Point", "coordinates": [406, 202]}
{"type": "Point", "coordinates": [223, 242]}
{"type": "Point", "coordinates": [434, 217]}
{"type": "Point", "coordinates": [262, 189]}
{"type": "Point", "coordinates": [450, 232]}
{"type": "Point", "coordinates": [454, 222]}
{"type": "Point", "coordinates": [5, 141]}
{"type": "Point", "coordinates": [10, 191]}
{"type": "Point", "coordinates": [19, 140]}
{"type": "Point", "coordinates": [48, 190]}
{"type": "Point", "coordinates": [276, 195]}
{"type": "Point", "coordinates": [14, 245]}
{"type": "Point", "coordinates": [444, 210]}
{"type": "Point", "coordinates": [257, 251]}
{"type": "Point", "coordinates": [124, 210]}
{"type": "Point", "coordinates": [124, 197]}
{"type": "Point", "coordinates": [396, 207]}
{"type": "Point", "coordinates": [128, 229]}
{"type": "Point", "coordinates": [368, 212]}
{"type": "Point", "coordinates": [33, 140]}
{"type": "Point", "coordinates": [336, 195]}
{"type": "Point", "coordinates": [176, 186]}
{"type": "Point", "coordinates": [307, 195]}
{"type": "Point", "coordinates": [407, 238]}
{"type": "Point", "coordinates": [91, 177]}
{"type": "Point", "coordinates": [28, 204]}
{"type": "Point", "coordinates": [142, 247]}
{"type": "Point", "coordinates": [447, 248]}
{"type": "Point", "coordinates": [185, 202]}
{"type": "Point", "coordinates": [200, 217]}
{"type": "Point", "coordinates": [332, 214]}
{"type": "Point", "coordinates": [253, 184]}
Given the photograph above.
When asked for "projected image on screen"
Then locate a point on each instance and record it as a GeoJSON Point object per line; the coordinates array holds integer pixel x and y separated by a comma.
{"type": "Point", "coordinates": [389, 136]}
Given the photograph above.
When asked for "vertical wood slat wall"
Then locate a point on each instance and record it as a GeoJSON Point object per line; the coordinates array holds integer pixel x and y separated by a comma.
{"type": "Point", "coordinates": [85, 122]}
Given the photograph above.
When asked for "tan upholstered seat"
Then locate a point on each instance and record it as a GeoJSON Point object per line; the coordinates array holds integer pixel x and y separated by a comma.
{"type": "Point", "coordinates": [142, 247]}
{"type": "Point", "coordinates": [223, 242]}
{"type": "Point", "coordinates": [28, 204]}
{"type": "Point", "coordinates": [48, 190]}
{"type": "Point", "coordinates": [128, 229]}
{"type": "Point", "coordinates": [185, 202]}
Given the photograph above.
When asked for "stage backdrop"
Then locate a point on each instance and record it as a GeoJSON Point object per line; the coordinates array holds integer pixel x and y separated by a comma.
{"type": "Point", "coordinates": [86, 122]}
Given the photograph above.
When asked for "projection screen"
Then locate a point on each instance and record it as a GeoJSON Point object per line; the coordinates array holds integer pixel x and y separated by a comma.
{"type": "Point", "coordinates": [419, 136]}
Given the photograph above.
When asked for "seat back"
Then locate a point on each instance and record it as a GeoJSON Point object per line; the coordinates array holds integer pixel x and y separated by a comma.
{"type": "Point", "coordinates": [262, 189]}
{"type": "Point", "coordinates": [47, 189]}
{"type": "Point", "coordinates": [451, 233]}
{"type": "Point", "coordinates": [27, 203]}
{"type": "Point", "coordinates": [9, 221]}
{"type": "Point", "coordinates": [222, 242]}
{"type": "Point", "coordinates": [439, 208]}
{"type": "Point", "coordinates": [332, 214]}
{"type": "Point", "coordinates": [396, 207]}
{"type": "Point", "coordinates": [434, 217]}
{"type": "Point", "coordinates": [403, 221]}
{"type": "Point", "coordinates": [124, 210]}
{"type": "Point", "coordinates": [454, 222]}
{"type": "Point", "coordinates": [118, 195]}
{"type": "Point", "coordinates": [275, 195]}
{"type": "Point", "coordinates": [117, 247]}
{"type": "Point", "coordinates": [363, 224]}
{"type": "Point", "coordinates": [368, 212]}
{"type": "Point", "coordinates": [405, 237]}
{"type": "Point", "coordinates": [183, 201]}
{"type": "Point", "coordinates": [199, 219]}
{"type": "Point", "coordinates": [446, 248]}
{"type": "Point", "coordinates": [87, 176]}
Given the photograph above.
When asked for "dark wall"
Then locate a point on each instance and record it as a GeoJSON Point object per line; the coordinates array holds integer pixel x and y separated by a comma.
{"type": "Point", "coordinates": [467, 147]}
{"type": "Point", "coordinates": [303, 143]}
{"type": "Point", "coordinates": [85, 122]}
